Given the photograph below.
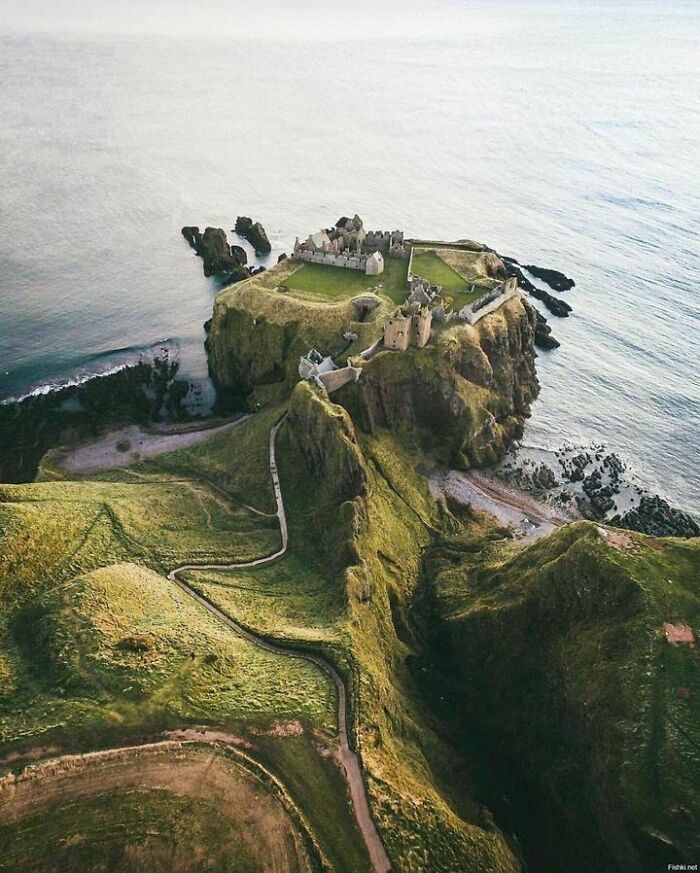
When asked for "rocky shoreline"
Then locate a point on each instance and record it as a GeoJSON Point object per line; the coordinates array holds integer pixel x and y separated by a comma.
{"type": "Point", "coordinates": [592, 483]}
{"type": "Point", "coordinates": [142, 393]}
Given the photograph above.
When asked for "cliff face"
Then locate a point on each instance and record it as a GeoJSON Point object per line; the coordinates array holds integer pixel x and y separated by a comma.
{"type": "Point", "coordinates": [324, 436]}
{"type": "Point", "coordinates": [358, 508]}
{"type": "Point", "coordinates": [258, 333]}
{"type": "Point", "coordinates": [465, 395]}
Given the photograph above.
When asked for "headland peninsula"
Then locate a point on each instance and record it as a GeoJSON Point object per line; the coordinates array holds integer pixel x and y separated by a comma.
{"type": "Point", "coordinates": [318, 636]}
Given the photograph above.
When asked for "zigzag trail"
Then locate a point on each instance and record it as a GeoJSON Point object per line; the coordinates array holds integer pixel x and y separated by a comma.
{"type": "Point", "coordinates": [347, 757]}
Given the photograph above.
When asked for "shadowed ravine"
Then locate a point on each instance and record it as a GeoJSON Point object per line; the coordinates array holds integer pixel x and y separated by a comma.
{"type": "Point", "coordinates": [347, 757]}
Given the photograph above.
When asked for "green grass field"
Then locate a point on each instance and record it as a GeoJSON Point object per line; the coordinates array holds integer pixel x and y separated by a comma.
{"type": "Point", "coordinates": [431, 266]}
{"type": "Point", "coordinates": [336, 283]}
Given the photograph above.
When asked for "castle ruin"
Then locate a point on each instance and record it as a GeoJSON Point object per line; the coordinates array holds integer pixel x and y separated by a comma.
{"type": "Point", "coordinates": [408, 326]}
{"type": "Point", "coordinates": [350, 246]}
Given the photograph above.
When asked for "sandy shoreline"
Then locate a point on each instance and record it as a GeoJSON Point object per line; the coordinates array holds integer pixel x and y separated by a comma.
{"type": "Point", "coordinates": [528, 518]}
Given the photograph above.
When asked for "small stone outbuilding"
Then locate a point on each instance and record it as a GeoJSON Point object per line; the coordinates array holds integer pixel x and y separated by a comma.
{"type": "Point", "coordinates": [375, 264]}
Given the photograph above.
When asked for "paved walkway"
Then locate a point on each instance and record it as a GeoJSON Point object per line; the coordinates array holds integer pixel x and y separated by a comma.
{"type": "Point", "coordinates": [347, 757]}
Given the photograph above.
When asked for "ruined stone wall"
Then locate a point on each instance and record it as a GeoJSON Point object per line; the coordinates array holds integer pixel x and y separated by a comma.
{"type": "Point", "coordinates": [483, 306]}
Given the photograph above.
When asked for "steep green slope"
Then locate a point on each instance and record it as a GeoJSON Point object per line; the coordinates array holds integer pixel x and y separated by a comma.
{"type": "Point", "coordinates": [556, 659]}
{"type": "Point", "coordinates": [360, 516]}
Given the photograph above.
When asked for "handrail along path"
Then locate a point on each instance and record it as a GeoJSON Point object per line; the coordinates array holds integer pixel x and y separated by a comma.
{"type": "Point", "coordinates": [347, 757]}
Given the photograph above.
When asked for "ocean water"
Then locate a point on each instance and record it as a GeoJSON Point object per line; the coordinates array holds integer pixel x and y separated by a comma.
{"type": "Point", "coordinates": [565, 134]}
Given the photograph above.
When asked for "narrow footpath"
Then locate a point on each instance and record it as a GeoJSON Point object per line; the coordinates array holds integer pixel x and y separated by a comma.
{"type": "Point", "coordinates": [347, 757]}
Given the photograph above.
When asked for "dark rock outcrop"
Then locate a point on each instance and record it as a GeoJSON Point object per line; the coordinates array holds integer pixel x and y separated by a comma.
{"type": "Point", "coordinates": [557, 281]}
{"type": "Point", "coordinates": [557, 307]}
{"type": "Point", "coordinates": [657, 517]}
{"type": "Point", "coordinates": [543, 334]}
{"type": "Point", "coordinates": [255, 233]}
{"type": "Point", "coordinates": [193, 236]}
{"type": "Point", "coordinates": [218, 257]}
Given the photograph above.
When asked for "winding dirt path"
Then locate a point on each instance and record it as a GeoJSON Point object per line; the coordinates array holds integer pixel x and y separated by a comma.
{"type": "Point", "coordinates": [346, 756]}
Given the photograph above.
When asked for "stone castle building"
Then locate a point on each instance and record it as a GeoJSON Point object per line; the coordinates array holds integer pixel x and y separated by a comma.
{"type": "Point", "coordinates": [349, 245]}
{"type": "Point", "coordinates": [408, 326]}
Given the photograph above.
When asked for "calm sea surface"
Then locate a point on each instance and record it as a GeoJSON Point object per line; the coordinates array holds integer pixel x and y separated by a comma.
{"type": "Point", "coordinates": [565, 134]}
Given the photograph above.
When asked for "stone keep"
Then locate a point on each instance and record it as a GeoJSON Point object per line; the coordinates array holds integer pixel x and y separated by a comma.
{"type": "Point", "coordinates": [397, 332]}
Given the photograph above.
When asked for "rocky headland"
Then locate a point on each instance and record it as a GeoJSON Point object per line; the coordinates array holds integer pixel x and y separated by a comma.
{"type": "Point", "coordinates": [465, 396]}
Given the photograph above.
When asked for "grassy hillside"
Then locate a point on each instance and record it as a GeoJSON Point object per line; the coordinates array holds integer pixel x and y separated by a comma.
{"type": "Point", "coordinates": [564, 672]}
{"type": "Point", "coordinates": [535, 682]}
{"type": "Point", "coordinates": [97, 648]}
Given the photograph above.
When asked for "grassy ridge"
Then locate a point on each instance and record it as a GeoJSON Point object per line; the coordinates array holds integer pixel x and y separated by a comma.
{"type": "Point", "coordinates": [599, 719]}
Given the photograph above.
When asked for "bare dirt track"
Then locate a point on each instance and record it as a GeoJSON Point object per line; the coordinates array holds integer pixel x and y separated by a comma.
{"type": "Point", "coordinates": [270, 837]}
{"type": "Point", "coordinates": [105, 454]}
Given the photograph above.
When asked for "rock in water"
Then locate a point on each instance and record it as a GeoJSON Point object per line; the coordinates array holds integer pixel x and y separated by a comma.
{"type": "Point", "coordinates": [254, 232]}
{"type": "Point", "coordinates": [553, 304]}
{"type": "Point", "coordinates": [219, 258]}
{"type": "Point", "coordinates": [193, 237]}
{"type": "Point", "coordinates": [543, 334]}
{"type": "Point", "coordinates": [557, 281]}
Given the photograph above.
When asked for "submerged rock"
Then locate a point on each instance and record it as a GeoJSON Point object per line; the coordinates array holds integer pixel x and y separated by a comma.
{"type": "Point", "coordinates": [255, 233]}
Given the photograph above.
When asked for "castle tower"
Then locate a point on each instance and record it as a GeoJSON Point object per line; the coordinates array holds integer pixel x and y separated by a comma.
{"type": "Point", "coordinates": [397, 332]}
{"type": "Point", "coordinates": [422, 323]}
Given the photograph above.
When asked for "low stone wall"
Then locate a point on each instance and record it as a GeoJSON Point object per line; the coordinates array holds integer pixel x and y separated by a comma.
{"type": "Point", "coordinates": [410, 268]}
{"type": "Point", "coordinates": [489, 303]}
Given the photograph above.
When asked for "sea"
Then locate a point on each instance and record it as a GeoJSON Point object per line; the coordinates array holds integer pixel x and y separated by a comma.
{"type": "Point", "coordinates": [565, 134]}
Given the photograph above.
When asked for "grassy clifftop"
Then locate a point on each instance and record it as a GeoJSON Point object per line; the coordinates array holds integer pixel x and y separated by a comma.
{"type": "Point", "coordinates": [258, 333]}
{"type": "Point", "coordinates": [462, 398]}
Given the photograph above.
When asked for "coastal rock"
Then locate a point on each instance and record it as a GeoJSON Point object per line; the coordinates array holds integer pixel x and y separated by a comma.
{"type": "Point", "coordinates": [255, 233]}
{"type": "Point", "coordinates": [557, 281]}
{"type": "Point", "coordinates": [193, 236]}
{"type": "Point", "coordinates": [282, 257]}
{"type": "Point", "coordinates": [656, 517]}
{"type": "Point", "coordinates": [239, 254]}
{"type": "Point", "coordinates": [218, 257]}
{"type": "Point", "coordinates": [543, 334]}
{"type": "Point", "coordinates": [557, 307]}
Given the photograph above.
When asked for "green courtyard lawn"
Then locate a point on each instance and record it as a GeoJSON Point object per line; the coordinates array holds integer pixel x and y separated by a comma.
{"type": "Point", "coordinates": [337, 283]}
{"type": "Point", "coordinates": [431, 266]}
